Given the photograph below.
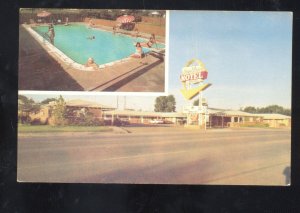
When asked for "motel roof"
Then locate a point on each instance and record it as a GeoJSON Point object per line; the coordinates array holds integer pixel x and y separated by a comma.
{"type": "Point", "coordinates": [88, 104]}
{"type": "Point", "coordinates": [239, 113]}
{"type": "Point", "coordinates": [274, 116]}
{"type": "Point", "coordinates": [211, 111]}
{"type": "Point", "coordinates": [144, 113]}
{"type": "Point", "coordinates": [224, 112]}
{"type": "Point", "coordinates": [217, 112]}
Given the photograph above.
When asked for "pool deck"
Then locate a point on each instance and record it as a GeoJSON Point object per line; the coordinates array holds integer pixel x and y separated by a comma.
{"type": "Point", "coordinates": [41, 69]}
{"type": "Point", "coordinates": [160, 39]}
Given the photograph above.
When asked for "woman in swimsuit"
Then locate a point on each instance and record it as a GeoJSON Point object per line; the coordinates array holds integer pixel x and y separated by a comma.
{"type": "Point", "coordinates": [91, 63]}
{"type": "Point", "coordinates": [150, 43]}
{"type": "Point", "coordinates": [138, 52]}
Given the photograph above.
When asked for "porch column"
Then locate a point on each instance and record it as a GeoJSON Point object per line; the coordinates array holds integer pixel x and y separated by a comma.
{"type": "Point", "coordinates": [222, 121]}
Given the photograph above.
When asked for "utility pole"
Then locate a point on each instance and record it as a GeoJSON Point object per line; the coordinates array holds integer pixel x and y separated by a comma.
{"type": "Point", "coordinates": [117, 102]}
{"type": "Point", "coordinates": [124, 102]}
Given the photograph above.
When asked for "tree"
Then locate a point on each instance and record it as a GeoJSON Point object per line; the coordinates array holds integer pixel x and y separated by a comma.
{"type": "Point", "coordinates": [26, 104]}
{"type": "Point", "coordinates": [196, 102]}
{"type": "Point", "coordinates": [250, 109]}
{"type": "Point", "coordinates": [268, 109]}
{"type": "Point", "coordinates": [48, 100]}
{"type": "Point", "coordinates": [25, 107]}
{"type": "Point", "coordinates": [287, 112]}
{"type": "Point", "coordinates": [165, 104]}
{"type": "Point", "coordinates": [59, 111]}
{"type": "Point", "coordinates": [272, 109]}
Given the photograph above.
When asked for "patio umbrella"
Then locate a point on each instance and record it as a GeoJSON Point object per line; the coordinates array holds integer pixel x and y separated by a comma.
{"type": "Point", "coordinates": [125, 19]}
{"type": "Point", "coordinates": [43, 14]}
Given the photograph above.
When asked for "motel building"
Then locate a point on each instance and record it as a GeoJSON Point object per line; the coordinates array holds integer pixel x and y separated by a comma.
{"type": "Point", "coordinates": [142, 117]}
{"type": "Point", "coordinates": [214, 118]}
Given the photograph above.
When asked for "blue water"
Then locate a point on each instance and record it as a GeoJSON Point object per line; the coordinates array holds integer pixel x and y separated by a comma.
{"type": "Point", "coordinates": [106, 47]}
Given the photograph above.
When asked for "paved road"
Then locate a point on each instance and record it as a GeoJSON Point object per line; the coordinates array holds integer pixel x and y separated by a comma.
{"type": "Point", "coordinates": [157, 155]}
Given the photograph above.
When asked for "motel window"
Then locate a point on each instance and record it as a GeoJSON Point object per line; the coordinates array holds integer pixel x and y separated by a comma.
{"type": "Point", "coordinates": [236, 119]}
{"type": "Point", "coordinates": [135, 116]}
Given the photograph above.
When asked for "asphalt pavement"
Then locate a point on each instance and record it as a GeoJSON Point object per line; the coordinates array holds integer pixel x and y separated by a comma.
{"type": "Point", "coordinates": [157, 155]}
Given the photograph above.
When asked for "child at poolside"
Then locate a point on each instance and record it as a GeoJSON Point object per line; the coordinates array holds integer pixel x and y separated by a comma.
{"type": "Point", "coordinates": [51, 33]}
{"type": "Point", "coordinates": [137, 32]}
{"type": "Point", "coordinates": [91, 23]}
{"type": "Point", "coordinates": [138, 52]}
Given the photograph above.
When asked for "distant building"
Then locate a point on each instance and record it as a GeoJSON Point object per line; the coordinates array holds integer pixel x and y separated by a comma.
{"type": "Point", "coordinates": [142, 117]}
{"type": "Point", "coordinates": [42, 116]}
{"type": "Point", "coordinates": [276, 120]}
{"type": "Point", "coordinates": [215, 118]}
{"type": "Point", "coordinates": [231, 118]}
{"type": "Point", "coordinates": [74, 108]}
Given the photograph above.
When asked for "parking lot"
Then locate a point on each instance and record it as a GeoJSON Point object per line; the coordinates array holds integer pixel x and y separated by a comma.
{"type": "Point", "coordinates": [159, 154]}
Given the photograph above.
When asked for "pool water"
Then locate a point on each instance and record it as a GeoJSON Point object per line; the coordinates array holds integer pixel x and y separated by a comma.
{"type": "Point", "coordinates": [73, 41]}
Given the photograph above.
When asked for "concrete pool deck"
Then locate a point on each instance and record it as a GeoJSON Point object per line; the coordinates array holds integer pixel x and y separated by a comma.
{"type": "Point", "coordinates": [41, 69]}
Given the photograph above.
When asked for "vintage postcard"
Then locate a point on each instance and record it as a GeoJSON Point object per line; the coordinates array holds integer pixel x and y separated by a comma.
{"type": "Point", "coordinates": [92, 50]}
{"type": "Point", "coordinates": [224, 120]}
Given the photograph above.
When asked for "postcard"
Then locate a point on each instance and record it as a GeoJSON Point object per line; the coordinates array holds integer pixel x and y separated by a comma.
{"type": "Point", "coordinates": [207, 97]}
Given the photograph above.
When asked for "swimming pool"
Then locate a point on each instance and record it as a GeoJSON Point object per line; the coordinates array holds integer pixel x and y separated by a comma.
{"type": "Point", "coordinates": [73, 41]}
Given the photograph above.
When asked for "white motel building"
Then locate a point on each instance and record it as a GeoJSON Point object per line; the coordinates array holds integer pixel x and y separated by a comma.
{"type": "Point", "coordinates": [215, 118]}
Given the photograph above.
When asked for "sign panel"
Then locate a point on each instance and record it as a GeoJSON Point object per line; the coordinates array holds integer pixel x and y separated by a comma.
{"type": "Point", "coordinates": [193, 74]}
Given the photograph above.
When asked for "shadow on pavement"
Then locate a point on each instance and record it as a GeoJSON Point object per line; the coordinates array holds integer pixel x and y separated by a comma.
{"type": "Point", "coordinates": [38, 70]}
{"type": "Point", "coordinates": [124, 81]}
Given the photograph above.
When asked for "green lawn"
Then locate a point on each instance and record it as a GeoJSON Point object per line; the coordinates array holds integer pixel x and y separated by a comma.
{"type": "Point", "coordinates": [259, 125]}
{"type": "Point", "coordinates": [47, 128]}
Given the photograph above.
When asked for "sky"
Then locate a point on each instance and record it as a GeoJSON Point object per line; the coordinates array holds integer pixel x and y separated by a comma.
{"type": "Point", "coordinates": [248, 56]}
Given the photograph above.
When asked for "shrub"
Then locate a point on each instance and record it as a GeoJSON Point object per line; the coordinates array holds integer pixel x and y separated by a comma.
{"type": "Point", "coordinates": [35, 121]}
{"type": "Point", "coordinates": [24, 119]}
{"type": "Point", "coordinates": [86, 120]}
{"type": "Point", "coordinates": [255, 125]}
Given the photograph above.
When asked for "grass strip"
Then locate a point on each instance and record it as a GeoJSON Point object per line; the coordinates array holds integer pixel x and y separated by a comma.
{"type": "Point", "coordinates": [48, 128]}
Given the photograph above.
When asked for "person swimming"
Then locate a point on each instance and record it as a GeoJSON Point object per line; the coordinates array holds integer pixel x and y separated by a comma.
{"type": "Point", "coordinates": [91, 37]}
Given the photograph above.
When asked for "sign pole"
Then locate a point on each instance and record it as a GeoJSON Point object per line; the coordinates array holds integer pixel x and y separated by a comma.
{"type": "Point", "coordinates": [205, 114]}
{"type": "Point", "coordinates": [192, 75]}
{"type": "Point", "coordinates": [200, 109]}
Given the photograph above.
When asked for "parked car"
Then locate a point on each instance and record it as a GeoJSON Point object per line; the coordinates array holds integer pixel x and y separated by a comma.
{"type": "Point", "coordinates": [157, 121]}
{"type": "Point", "coordinates": [121, 122]}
